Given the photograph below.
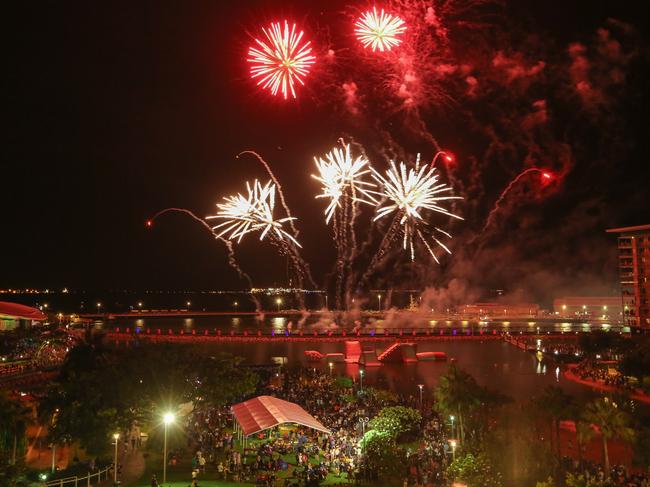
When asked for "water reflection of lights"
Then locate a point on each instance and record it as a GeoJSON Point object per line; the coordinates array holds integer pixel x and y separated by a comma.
{"type": "Point", "coordinates": [506, 323]}
{"type": "Point", "coordinates": [557, 374]}
{"type": "Point", "coordinates": [188, 323]}
{"type": "Point", "coordinates": [278, 322]}
{"type": "Point", "coordinates": [235, 321]}
{"type": "Point", "coordinates": [541, 368]}
{"type": "Point", "coordinates": [433, 322]}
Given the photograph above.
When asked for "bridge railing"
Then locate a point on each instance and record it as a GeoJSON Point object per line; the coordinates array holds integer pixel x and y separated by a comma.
{"type": "Point", "coordinates": [445, 331]}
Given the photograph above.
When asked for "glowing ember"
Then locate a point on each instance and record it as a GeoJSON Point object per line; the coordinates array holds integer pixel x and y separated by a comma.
{"type": "Point", "coordinates": [379, 30]}
{"type": "Point", "coordinates": [447, 157]}
{"type": "Point", "coordinates": [281, 60]}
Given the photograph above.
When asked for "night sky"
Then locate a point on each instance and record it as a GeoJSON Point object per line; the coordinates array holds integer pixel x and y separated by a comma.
{"type": "Point", "coordinates": [119, 109]}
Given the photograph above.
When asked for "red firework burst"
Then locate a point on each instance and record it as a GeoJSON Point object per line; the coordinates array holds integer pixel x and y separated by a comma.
{"type": "Point", "coordinates": [281, 60]}
{"type": "Point", "coordinates": [379, 30]}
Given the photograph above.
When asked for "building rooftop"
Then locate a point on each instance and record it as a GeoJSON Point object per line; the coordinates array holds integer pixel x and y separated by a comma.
{"type": "Point", "coordinates": [639, 228]}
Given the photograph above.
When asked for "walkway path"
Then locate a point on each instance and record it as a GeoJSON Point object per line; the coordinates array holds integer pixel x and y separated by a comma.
{"type": "Point", "coordinates": [132, 469]}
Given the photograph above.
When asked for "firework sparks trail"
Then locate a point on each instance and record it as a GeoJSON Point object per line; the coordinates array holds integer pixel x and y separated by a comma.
{"type": "Point", "coordinates": [379, 30]}
{"type": "Point", "coordinates": [231, 252]}
{"type": "Point", "coordinates": [341, 175]}
{"type": "Point", "coordinates": [409, 193]}
{"type": "Point", "coordinates": [386, 241]}
{"type": "Point", "coordinates": [497, 205]}
{"type": "Point", "coordinates": [246, 214]}
{"type": "Point", "coordinates": [304, 267]}
{"type": "Point", "coordinates": [281, 60]}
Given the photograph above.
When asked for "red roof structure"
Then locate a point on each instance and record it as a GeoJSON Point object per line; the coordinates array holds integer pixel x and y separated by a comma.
{"type": "Point", "coordinates": [264, 412]}
{"type": "Point", "coordinates": [20, 311]}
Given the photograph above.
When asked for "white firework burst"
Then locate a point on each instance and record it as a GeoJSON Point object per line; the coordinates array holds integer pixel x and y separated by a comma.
{"type": "Point", "coordinates": [409, 192]}
{"type": "Point", "coordinates": [246, 214]}
{"type": "Point", "coordinates": [339, 171]}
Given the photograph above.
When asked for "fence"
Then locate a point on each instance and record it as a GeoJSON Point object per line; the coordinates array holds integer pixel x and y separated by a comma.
{"type": "Point", "coordinates": [86, 481]}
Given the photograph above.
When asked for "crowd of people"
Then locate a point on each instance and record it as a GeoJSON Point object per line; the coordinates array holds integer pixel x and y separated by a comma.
{"type": "Point", "coordinates": [33, 349]}
{"type": "Point", "coordinates": [587, 370]}
{"type": "Point", "coordinates": [299, 456]}
{"type": "Point", "coordinates": [619, 475]}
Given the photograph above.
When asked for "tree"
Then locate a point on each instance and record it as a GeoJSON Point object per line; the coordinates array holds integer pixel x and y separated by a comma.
{"type": "Point", "coordinates": [457, 394]}
{"type": "Point", "coordinates": [473, 470]}
{"type": "Point", "coordinates": [101, 391]}
{"type": "Point", "coordinates": [555, 405]}
{"type": "Point", "coordinates": [580, 480]}
{"type": "Point", "coordinates": [584, 434]}
{"type": "Point", "coordinates": [636, 362]}
{"type": "Point", "coordinates": [398, 422]}
{"type": "Point", "coordinates": [612, 422]}
{"type": "Point", "coordinates": [549, 482]}
{"type": "Point", "coordinates": [384, 397]}
{"type": "Point", "coordinates": [14, 418]}
{"type": "Point", "coordinates": [381, 454]}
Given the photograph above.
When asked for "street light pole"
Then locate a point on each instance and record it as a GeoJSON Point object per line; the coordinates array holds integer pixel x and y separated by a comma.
{"type": "Point", "coordinates": [379, 300]}
{"type": "Point", "coordinates": [453, 449]}
{"type": "Point", "coordinates": [364, 422]}
{"type": "Point", "coordinates": [453, 431]}
{"type": "Point", "coordinates": [421, 387]}
{"type": "Point", "coordinates": [168, 418]}
{"type": "Point", "coordinates": [116, 437]}
{"type": "Point", "coordinates": [361, 372]}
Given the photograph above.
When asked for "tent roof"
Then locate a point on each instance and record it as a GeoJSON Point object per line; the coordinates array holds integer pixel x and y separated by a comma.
{"type": "Point", "coordinates": [20, 311]}
{"type": "Point", "coordinates": [264, 412]}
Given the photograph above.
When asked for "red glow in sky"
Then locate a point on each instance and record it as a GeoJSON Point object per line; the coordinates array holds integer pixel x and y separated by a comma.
{"type": "Point", "coordinates": [281, 60]}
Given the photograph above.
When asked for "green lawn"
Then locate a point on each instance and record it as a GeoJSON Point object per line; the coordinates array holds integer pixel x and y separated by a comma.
{"type": "Point", "coordinates": [202, 483]}
{"type": "Point", "coordinates": [180, 475]}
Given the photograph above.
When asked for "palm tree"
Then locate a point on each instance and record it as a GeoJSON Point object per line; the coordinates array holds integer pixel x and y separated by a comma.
{"type": "Point", "coordinates": [457, 393]}
{"type": "Point", "coordinates": [555, 405]}
{"type": "Point", "coordinates": [584, 433]}
{"type": "Point", "coordinates": [612, 422]}
{"type": "Point", "coordinates": [14, 418]}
